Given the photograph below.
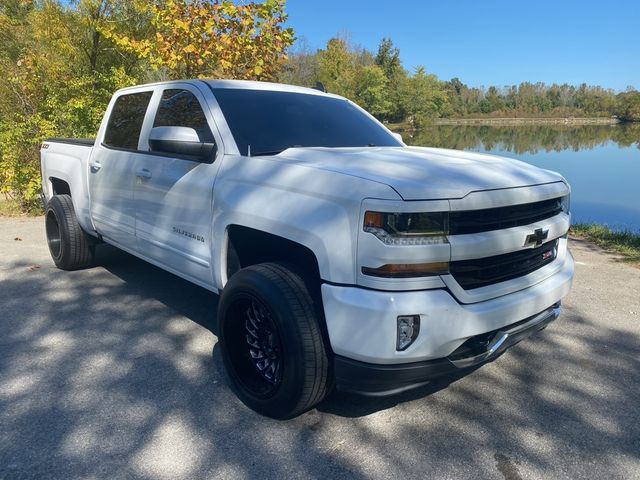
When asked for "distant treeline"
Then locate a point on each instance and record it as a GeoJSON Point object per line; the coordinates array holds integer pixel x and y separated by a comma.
{"type": "Point", "coordinates": [379, 83]}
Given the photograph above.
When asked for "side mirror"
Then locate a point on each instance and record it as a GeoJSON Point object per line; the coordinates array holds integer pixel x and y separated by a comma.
{"type": "Point", "coordinates": [183, 141]}
{"type": "Point", "coordinates": [397, 136]}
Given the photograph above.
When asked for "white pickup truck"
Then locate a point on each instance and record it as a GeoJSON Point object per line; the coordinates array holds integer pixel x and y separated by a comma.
{"type": "Point", "coordinates": [343, 257]}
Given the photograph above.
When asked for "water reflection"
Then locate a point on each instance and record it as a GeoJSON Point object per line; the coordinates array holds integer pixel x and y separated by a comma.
{"type": "Point", "coordinates": [602, 162]}
{"type": "Point", "coordinates": [527, 138]}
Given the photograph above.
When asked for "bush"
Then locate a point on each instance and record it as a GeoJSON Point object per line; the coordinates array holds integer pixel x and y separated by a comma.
{"type": "Point", "coordinates": [20, 159]}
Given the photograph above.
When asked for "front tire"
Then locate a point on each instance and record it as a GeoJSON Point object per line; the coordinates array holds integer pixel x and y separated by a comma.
{"type": "Point", "coordinates": [71, 247]}
{"type": "Point", "coordinates": [271, 342]}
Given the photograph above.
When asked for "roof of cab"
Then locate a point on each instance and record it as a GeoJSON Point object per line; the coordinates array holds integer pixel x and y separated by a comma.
{"type": "Point", "coordinates": [255, 85]}
{"type": "Point", "coordinates": [240, 84]}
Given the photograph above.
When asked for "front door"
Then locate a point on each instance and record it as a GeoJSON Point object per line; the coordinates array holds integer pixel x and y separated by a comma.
{"type": "Point", "coordinates": [174, 196]}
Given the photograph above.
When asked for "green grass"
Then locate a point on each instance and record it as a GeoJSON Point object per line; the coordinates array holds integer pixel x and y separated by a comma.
{"type": "Point", "coordinates": [625, 243]}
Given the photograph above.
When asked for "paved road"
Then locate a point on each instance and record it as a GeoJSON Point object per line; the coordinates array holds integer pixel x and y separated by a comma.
{"type": "Point", "coordinates": [114, 373]}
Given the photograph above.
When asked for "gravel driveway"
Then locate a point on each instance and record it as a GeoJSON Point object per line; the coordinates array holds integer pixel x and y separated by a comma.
{"type": "Point", "coordinates": [114, 373]}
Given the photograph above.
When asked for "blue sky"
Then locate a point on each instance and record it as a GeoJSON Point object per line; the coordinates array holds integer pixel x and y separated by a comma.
{"type": "Point", "coordinates": [491, 42]}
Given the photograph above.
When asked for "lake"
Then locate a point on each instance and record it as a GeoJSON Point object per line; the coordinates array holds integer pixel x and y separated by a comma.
{"type": "Point", "coordinates": [601, 162]}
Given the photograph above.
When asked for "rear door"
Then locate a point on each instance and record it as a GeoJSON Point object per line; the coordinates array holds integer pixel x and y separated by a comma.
{"type": "Point", "coordinates": [111, 169]}
{"type": "Point", "coordinates": [174, 195]}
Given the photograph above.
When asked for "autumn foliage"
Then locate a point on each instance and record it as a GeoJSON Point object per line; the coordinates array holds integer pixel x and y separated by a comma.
{"type": "Point", "coordinates": [203, 39]}
{"type": "Point", "coordinates": [62, 60]}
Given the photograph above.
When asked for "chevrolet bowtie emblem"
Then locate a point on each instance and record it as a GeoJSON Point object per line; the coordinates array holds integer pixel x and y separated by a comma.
{"type": "Point", "coordinates": [537, 237]}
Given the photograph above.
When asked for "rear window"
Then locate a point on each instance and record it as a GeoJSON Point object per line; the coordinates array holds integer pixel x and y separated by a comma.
{"type": "Point", "coordinates": [271, 121]}
{"type": "Point", "coordinates": [125, 122]}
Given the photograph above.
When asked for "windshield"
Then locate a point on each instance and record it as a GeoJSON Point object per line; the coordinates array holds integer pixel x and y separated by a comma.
{"type": "Point", "coordinates": [271, 122]}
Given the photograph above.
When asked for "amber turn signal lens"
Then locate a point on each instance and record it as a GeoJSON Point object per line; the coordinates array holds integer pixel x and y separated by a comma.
{"type": "Point", "coordinates": [408, 270]}
{"type": "Point", "coordinates": [373, 219]}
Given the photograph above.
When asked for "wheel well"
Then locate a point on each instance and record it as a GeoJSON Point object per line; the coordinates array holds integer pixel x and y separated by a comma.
{"type": "Point", "coordinates": [60, 187]}
{"type": "Point", "coordinates": [248, 246]}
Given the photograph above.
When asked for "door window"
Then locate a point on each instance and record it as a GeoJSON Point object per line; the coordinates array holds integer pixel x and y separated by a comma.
{"type": "Point", "coordinates": [180, 108]}
{"type": "Point", "coordinates": [125, 122]}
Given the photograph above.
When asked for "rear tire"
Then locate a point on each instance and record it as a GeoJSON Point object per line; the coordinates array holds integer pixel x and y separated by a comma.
{"type": "Point", "coordinates": [271, 341]}
{"type": "Point", "coordinates": [71, 247]}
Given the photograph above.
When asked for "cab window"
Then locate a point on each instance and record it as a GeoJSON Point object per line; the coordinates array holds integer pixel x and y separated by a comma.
{"type": "Point", "coordinates": [125, 121]}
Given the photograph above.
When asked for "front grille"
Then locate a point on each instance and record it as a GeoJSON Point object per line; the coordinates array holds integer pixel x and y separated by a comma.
{"type": "Point", "coordinates": [481, 272]}
{"type": "Point", "coordinates": [474, 221]}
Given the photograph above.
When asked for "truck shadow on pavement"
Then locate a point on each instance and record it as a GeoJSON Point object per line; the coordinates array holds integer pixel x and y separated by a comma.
{"type": "Point", "coordinates": [106, 373]}
{"type": "Point", "coordinates": [200, 306]}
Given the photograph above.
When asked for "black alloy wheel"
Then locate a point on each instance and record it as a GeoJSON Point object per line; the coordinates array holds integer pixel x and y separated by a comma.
{"type": "Point", "coordinates": [271, 342]}
{"type": "Point", "coordinates": [258, 352]}
{"type": "Point", "coordinates": [71, 247]}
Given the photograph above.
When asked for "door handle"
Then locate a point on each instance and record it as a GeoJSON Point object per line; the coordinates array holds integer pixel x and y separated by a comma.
{"type": "Point", "coordinates": [95, 166]}
{"type": "Point", "coordinates": [143, 173]}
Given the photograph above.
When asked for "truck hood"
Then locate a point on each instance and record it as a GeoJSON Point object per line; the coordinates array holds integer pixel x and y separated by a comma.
{"type": "Point", "coordinates": [419, 173]}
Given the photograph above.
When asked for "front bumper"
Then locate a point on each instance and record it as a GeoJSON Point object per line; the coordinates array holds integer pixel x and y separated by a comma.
{"type": "Point", "coordinates": [377, 380]}
{"type": "Point", "coordinates": [362, 323]}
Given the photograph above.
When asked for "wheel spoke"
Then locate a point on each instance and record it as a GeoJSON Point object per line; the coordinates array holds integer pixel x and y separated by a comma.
{"type": "Point", "coordinates": [252, 341]}
{"type": "Point", "coordinates": [262, 364]}
{"type": "Point", "coordinates": [262, 342]}
{"type": "Point", "coordinates": [251, 319]}
{"type": "Point", "coordinates": [257, 315]}
{"type": "Point", "coordinates": [270, 372]}
{"type": "Point", "coordinates": [251, 331]}
{"type": "Point", "coordinates": [256, 354]}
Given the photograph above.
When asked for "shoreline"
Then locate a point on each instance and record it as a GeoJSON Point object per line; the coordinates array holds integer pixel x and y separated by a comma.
{"type": "Point", "coordinates": [625, 243]}
{"type": "Point", "coordinates": [509, 121]}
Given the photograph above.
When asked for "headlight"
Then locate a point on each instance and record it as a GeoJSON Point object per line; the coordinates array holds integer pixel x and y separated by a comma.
{"type": "Point", "coordinates": [565, 202]}
{"type": "Point", "coordinates": [408, 228]}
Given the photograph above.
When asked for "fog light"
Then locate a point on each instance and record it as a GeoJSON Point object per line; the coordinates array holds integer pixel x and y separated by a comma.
{"type": "Point", "coordinates": [408, 329]}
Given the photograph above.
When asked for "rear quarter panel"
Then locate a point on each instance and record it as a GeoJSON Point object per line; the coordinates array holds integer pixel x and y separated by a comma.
{"type": "Point", "coordinates": [68, 162]}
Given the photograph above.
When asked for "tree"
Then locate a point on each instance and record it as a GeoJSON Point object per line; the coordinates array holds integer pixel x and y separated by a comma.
{"type": "Point", "coordinates": [388, 59]}
{"type": "Point", "coordinates": [201, 38]}
{"type": "Point", "coordinates": [62, 60]}
{"type": "Point", "coordinates": [493, 100]}
{"type": "Point", "coordinates": [426, 97]}
{"type": "Point", "coordinates": [51, 87]}
{"type": "Point", "coordinates": [370, 90]}
{"type": "Point", "coordinates": [628, 106]}
{"type": "Point", "coordinates": [301, 67]}
{"type": "Point", "coordinates": [336, 69]}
